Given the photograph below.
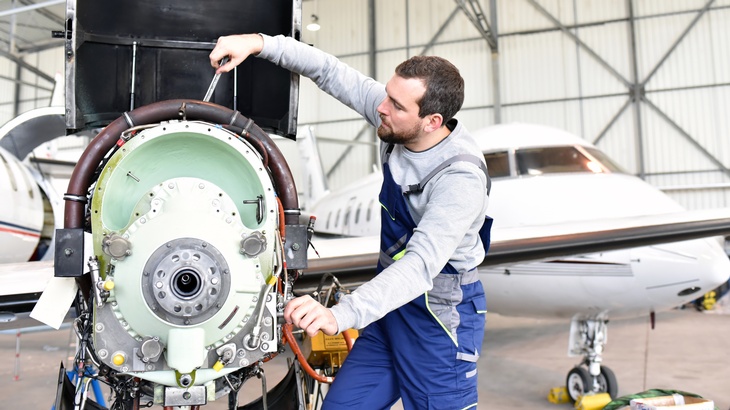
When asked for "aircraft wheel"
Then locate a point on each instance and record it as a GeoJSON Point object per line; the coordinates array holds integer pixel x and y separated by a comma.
{"type": "Point", "coordinates": [578, 382]}
{"type": "Point", "coordinates": [608, 383]}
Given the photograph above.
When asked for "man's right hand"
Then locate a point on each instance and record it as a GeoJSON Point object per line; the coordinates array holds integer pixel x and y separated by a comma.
{"type": "Point", "coordinates": [309, 315]}
{"type": "Point", "coordinates": [237, 47]}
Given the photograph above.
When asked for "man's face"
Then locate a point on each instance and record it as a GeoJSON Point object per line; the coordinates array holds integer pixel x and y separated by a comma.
{"type": "Point", "coordinates": [400, 123]}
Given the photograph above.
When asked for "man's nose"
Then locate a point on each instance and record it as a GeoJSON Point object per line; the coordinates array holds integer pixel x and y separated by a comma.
{"type": "Point", "coordinates": [382, 109]}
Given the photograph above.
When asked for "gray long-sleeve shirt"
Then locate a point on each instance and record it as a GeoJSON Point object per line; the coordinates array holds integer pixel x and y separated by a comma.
{"type": "Point", "coordinates": [448, 213]}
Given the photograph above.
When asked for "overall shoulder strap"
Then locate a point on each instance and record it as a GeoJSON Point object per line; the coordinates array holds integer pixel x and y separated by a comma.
{"type": "Point", "coordinates": [417, 188]}
{"type": "Point", "coordinates": [388, 150]}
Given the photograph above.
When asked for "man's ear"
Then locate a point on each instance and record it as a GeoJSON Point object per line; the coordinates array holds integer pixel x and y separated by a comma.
{"type": "Point", "coordinates": [433, 122]}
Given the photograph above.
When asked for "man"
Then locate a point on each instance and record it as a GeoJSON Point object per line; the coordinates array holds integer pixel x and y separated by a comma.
{"type": "Point", "coordinates": [423, 314]}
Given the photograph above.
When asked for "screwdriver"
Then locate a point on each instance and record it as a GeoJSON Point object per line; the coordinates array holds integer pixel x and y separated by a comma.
{"type": "Point", "coordinates": [213, 83]}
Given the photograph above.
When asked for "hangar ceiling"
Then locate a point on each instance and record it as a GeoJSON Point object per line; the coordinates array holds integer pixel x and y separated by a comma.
{"type": "Point", "coordinates": [27, 26]}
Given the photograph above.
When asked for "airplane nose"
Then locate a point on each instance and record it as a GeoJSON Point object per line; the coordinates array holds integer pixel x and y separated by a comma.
{"type": "Point", "coordinates": [676, 273]}
{"type": "Point", "coordinates": [716, 262]}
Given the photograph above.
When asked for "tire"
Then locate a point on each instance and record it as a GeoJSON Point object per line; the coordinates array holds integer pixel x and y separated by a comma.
{"type": "Point", "coordinates": [577, 383]}
{"type": "Point", "coordinates": [607, 381]}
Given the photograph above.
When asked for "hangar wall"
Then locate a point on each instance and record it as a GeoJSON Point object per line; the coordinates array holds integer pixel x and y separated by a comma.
{"type": "Point", "coordinates": [648, 81]}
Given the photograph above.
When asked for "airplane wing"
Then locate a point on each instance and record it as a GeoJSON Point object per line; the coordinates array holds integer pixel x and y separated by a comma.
{"type": "Point", "coordinates": [21, 285]}
{"type": "Point", "coordinates": [354, 259]}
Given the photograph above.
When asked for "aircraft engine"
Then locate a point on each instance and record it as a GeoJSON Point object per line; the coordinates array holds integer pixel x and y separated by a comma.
{"type": "Point", "coordinates": [188, 220]}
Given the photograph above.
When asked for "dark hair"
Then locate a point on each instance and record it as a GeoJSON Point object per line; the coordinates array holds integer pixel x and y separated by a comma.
{"type": "Point", "coordinates": [444, 86]}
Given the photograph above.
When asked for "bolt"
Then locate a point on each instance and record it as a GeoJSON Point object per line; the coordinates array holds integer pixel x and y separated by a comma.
{"type": "Point", "coordinates": [214, 281]}
{"type": "Point", "coordinates": [68, 251]}
{"type": "Point", "coordinates": [185, 380]}
{"type": "Point", "coordinates": [241, 353]}
{"type": "Point", "coordinates": [187, 395]}
{"type": "Point", "coordinates": [158, 285]}
{"type": "Point", "coordinates": [99, 327]}
{"type": "Point", "coordinates": [205, 244]}
{"type": "Point", "coordinates": [171, 185]}
{"type": "Point", "coordinates": [295, 246]}
{"type": "Point", "coordinates": [264, 346]}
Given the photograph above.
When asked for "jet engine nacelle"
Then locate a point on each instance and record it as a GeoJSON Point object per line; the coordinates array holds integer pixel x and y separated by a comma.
{"type": "Point", "coordinates": [187, 219]}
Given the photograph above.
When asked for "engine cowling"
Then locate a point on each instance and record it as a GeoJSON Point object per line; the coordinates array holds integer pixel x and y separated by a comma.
{"type": "Point", "coordinates": [185, 225]}
{"type": "Point", "coordinates": [187, 220]}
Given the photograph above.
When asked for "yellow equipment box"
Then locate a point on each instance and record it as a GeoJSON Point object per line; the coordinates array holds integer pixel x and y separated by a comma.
{"type": "Point", "coordinates": [324, 350]}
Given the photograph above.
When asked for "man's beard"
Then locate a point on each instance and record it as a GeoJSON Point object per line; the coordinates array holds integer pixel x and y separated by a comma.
{"type": "Point", "coordinates": [402, 137]}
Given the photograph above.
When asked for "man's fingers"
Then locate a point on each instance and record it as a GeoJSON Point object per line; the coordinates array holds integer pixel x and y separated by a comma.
{"type": "Point", "coordinates": [309, 315]}
{"type": "Point", "coordinates": [292, 306]}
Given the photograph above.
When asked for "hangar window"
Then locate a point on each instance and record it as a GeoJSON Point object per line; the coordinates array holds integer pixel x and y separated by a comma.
{"type": "Point", "coordinates": [370, 210]}
{"type": "Point", "coordinates": [337, 218]}
{"type": "Point", "coordinates": [329, 217]}
{"type": "Point", "coordinates": [357, 213]}
{"type": "Point", "coordinates": [551, 160]}
{"type": "Point", "coordinates": [497, 164]}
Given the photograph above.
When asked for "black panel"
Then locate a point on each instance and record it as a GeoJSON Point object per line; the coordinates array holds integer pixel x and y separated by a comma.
{"type": "Point", "coordinates": [69, 256]}
{"type": "Point", "coordinates": [173, 40]}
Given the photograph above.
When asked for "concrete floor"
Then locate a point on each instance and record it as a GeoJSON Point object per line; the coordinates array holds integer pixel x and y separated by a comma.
{"type": "Point", "coordinates": [523, 359]}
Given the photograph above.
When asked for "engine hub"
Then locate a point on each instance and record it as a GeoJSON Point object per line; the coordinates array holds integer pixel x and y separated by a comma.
{"type": "Point", "coordinates": [186, 281]}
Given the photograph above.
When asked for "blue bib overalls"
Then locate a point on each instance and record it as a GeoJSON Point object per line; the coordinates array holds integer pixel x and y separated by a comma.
{"type": "Point", "coordinates": [424, 352]}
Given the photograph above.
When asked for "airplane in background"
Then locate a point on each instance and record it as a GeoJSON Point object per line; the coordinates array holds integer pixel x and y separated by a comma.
{"type": "Point", "coordinates": [30, 212]}
{"type": "Point", "coordinates": [570, 240]}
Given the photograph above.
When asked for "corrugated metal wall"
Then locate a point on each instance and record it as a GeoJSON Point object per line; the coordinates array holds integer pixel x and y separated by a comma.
{"type": "Point", "coordinates": [30, 90]}
{"type": "Point", "coordinates": [647, 80]}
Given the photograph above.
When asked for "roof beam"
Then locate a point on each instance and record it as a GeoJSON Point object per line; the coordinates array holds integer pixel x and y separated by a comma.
{"type": "Point", "coordinates": [30, 7]}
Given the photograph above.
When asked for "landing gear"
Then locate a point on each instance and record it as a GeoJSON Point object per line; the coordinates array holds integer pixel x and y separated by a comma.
{"type": "Point", "coordinates": [588, 338]}
{"type": "Point", "coordinates": [580, 381]}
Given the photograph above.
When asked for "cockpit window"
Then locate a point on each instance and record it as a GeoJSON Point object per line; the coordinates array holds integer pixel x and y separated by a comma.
{"type": "Point", "coordinates": [605, 160]}
{"type": "Point", "coordinates": [550, 160]}
{"type": "Point", "coordinates": [497, 164]}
